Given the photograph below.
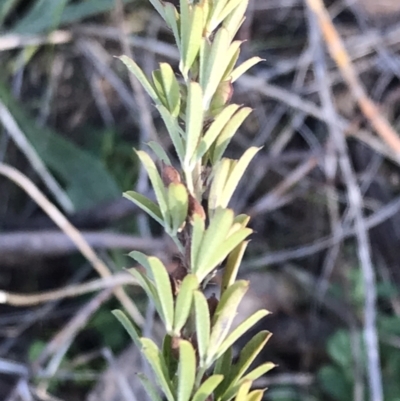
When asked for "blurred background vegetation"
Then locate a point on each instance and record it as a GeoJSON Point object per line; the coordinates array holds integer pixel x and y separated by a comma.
{"type": "Point", "coordinates": [69, 117]}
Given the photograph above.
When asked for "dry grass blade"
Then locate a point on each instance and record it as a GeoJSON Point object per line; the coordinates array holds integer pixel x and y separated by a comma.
{"type": "Point", "coordinates": [338, 53]}
{"type": "Point", "coordinates": [76, 237]}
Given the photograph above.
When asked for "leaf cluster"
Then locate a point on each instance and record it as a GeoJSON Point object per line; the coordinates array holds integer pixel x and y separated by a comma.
{"type": "Point", "coordinates": [191, 204]}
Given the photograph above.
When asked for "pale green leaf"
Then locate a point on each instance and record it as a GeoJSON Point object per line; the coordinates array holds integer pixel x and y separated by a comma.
{"type": "Point", "coordinates": [197, 238]}
{"type": "Point", "coordinates": [183, 302]}
{"type": "Point", "coordinates": [236, 175]}
{"type": "Point", "coordinates": [202, 318]}
{"type": "Point", "coordinates": [164, 291]}
{"type": "Point", "coordinates": [255, 395]}
{"type": "Point", "coordinates": [242, 68]}
{"type": "Point", "coordinates": [207, 387]}
{"type": "Point", "coordinates": [158, 87]}
{"type": "Point", "coordinates": [228, 132]}
{"type": "Point", "coordinates": [229, 7]}
{"type": "Point", "coordinates": [243, 390]}
{"type": "Point", "coordinates": [248, 354]}
{"type": "Point", "coordinates": [191, 33]}
{"type": "Point", "coordinates": [214, 236]}
{"type": "Point", "coordinates": [223, 317]}
{"type": "Point", "coordinates": [139, 74]}
{"type": "Point", "coordinates": [220, 172]}
{"type": "Point", "coordinates": [149, 288]}
{"type": "Point", "coordinates": [157, 363]}
{"type": "Point", "coordinates": [158, 5]}
{"type": "Point", "coordinates": [186, 370]}
{"type": "Point", "coordinates": [204, 56]}
{"type": "Point", "coordinates": [259, 371]}
{"type": "Point", "coordinates": [157, 184]}
{"type": "Point", "coordinates": [178, 205]}
{"type": "Point", "coordinates": [172, 19]}
{"type": "Point", "coordinates": [235, 19]}
{"type": "Point", "coordinates": [215, 66]}
{"type": "Point", "coordinates": [149, 387]}
{"type": "Point", "coordinates": [218, 6]}
{"type": "Point", "coordinates": [221, 98]}
{"type": "Point", "coordinates": [173, 130]}
{"type": "Point", "coordinates": [218, 254]}
{"type": "Point", "coordinates": [214, 130]}
{"type": "Point", "coordinates": [194, 120]}
{"type": "Point", "coordinates": [240, 330]}
{"type": "Point", "coordinates": [232, 265]}
{"type": "Point", "coordinates": [145, 204]}
{"type": "Point", "coordinates": [233, 59]}
{"type": "Point", "coordinates": [128, 325]}
{"type": "Point", "coordinates": [159, 152]}
{"type": "Point", "coordinates": [224, 364]}
{"type": "Point", "coordinates": [171, 89]}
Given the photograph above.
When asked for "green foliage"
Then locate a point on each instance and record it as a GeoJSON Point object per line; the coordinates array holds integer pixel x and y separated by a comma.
{"type": "Point", "coordinates": [337, 378]}
{"type": "Point", "coordinates": [195, 361]}
{"type": "Point", "coordinates": [86, 180]}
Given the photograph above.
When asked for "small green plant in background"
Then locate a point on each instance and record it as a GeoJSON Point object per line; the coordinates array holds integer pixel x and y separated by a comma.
{"type": "Point", "coordinates": [195, 359]}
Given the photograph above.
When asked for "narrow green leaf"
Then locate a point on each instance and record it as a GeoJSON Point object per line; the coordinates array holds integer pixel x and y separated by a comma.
{"type": "Point", "coordinates": [172, 19]}
{"type": "Point", "coordinates": [164, 291]}
{"type": "Point", "coordinates": [197, 238]}
{"type": "Point", "coordinates": [191, 33]}
{"type": "Point", "coordinates": [240, 330]}
{"type": "Point", "coordinates": [157, 363]}
{"type": "Point", "coordinates": [139, 74]}
{"type": "Point", "coordinates": [221, 98]}
{"type": "Point", "coordinates": [204, 56]}
{"type": "Point", "coordinates": [183, 302]}
{"type": "Point", "coordinates": [236, 175]}
{"type": "Point", "coordinates": [214, 130]}
{"type": "Point", "coordinates": [248, 354]}
{"type": "Point", "coordinates": [218, 254]}
{"type": "Point", "coordinates": [220, 171]}
{"type": "Point", "coordinates": [243, 219]}
{"type": "Point", "coordinates": [235, 19]}
{"type": "Point", "coordinates": [171, 89]}
{"type": "Point", "coordinates": [233, 60]}
{"type": "Point", "coordinates": [146, 205]}
{"type": "Point", "coordinates": [223, 317]}
{"type": "Point", "coordinates": [224, 364]}
{"type": "Point", "coordinates": [170, 360]}
{"type": "Point", "coordinates": [229, 7]}
{"type": "Point", "coordinates": [232, 265]}
{"type": "Point", "coordinates": [243, 390]}
{"type": "Point", "coordinates": [149, 288]}
{"type": "Point", "coordinates": [159, 152]}
{"type": "Point", "coordinates": [216, 66]}
{"type": "Point", "coordinates": [259, 371]}
{"type": "Point", "coordinates": [173, 130]}
{"type": "Point", "coordinates": [218, 6]}
{"type": "Point", "coordinates": [158, 5]}
{"type": "Point", "coordinates": [186, 370]}
{"type": "Point", "coordinates": [194, 120]}
{"type": "Point", "coordinates": [158, 87]}
{"type": "Point", "coordinates": [242, 68]}
{"type": "Point", "coordinates": [143, 260]}
{"type": "Point", "coordinates": [157, 184]}
{"type": "Point", "coordinates": [149, 387]}
{"type": "Point", "coordinates": [202, 317]}
{"type": "Point", "coordinates": [178, 205]}
{"type": "Point", "coordinates": [255, 395]}
{"type": "Point", "coordinates": [227, 133]}
{"type": "Point", "coordinates": [128, 325]}
{"type": "Point", "coordinates": [207, 388]}
{"type": "Point", "coordinates": [214, 236]}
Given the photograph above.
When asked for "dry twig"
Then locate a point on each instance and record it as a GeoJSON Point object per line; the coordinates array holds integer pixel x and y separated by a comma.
{"type": "Point", "coordinates": [61, 221]}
